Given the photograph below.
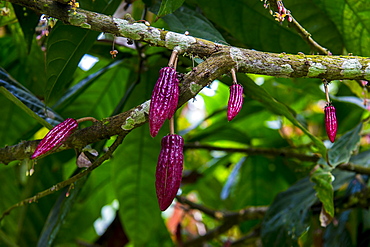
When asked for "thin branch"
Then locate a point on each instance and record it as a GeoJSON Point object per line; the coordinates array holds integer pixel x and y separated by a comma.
{"type": "Point", "coordinates": [69, 181]}
{"type": "Point", "coordinates": [306, 36]}
{"type": "Point", "coordinates": [256, 151]}
{"type": "Point", "coordinates": [228, 218]}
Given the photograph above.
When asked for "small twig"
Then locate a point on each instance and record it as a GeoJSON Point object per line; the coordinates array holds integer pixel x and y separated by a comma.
{"type": "Point", "coordinates": [69, 181]}
{"type": "Point", "coordinates": [92, 119]}
{"type": "Point", "coordinates": [306, 36]}
{"type": "Point", "coordinates": [256, 151]}
{"type": "Point", "coordinates": [233, 75]}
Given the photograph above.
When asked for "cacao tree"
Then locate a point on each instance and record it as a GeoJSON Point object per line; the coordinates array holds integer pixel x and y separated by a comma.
{"type": "Point", "coordinates": [258, 117]}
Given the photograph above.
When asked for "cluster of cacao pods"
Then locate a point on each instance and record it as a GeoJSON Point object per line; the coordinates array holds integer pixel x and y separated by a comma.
{"type": "Point", "coordinates": [163, 105]}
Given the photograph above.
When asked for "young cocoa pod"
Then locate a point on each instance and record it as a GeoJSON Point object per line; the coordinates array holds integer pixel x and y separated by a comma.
{"type": "Point", "coordinates": [169, 170]}
{"type": "Point", "coordinates": [235, 102]}
{"type": "Point", "coordinates": [55, 137]}
{"type": "Point", "coordinates": [331, 124]}
{"type": "Point", "coordinates": [164, 99]}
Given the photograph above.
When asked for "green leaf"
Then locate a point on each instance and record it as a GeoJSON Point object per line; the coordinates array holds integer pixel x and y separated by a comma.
{"type": "Point", "coordinates": [169, 6]}
{"type": "Point", "coordinates": [351, 19]}
{"type": "Point", "coordinates": [59, 212]}
{"type": "Point", "coordinates": [253, 176]}
{"type": "Point", "coordinates": [66, 46]}
{"type": "Point", "coordinates": [28, 21]}
{"type": "Point", "coordinates": [362, 159]}
{"type": "Point", "coordinates": [26, 101]}
{"type": "Point", "coordinates": [342, 149]}
{"type": "Point", "coordinates": [259, 94]}
{"type": "Point", "coordinates": [134, 178]}
{"type": "Point", "coordinates": [186, 19]}
{"type": "Point", "coordinates": [288, 216]}
{"type": "Point", "coordinates": [74, 92]}
{"type": "Point", "coordinates": [322, 179]}
{"type": "Point", "coordinates": [61, 63]}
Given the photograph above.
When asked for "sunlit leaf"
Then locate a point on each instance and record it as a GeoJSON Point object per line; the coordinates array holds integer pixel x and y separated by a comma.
{"type": "Point", "coordinates": [169, 6]}
{"type": "Point", "coordinates": [351, 19]}
{"type": "Point", "coordinates": [323, 179]}
{"type": "Point", "coordinates": [188, 20]}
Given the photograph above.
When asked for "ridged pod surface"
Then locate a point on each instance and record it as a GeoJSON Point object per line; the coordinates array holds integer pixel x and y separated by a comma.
{"type": "Point", "coordinates": [169, 170]}
{"type": "Point", "coordinates": [331, 124]}
{"type": "Point", "coordinates": [164, 99]}
{"type": "Point", "coordinates": [235, 102]}
{"type": "Point", "coordinates": [55, 137]}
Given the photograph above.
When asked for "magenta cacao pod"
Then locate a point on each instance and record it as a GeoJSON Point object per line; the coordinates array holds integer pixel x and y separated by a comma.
{"type": "Point", "coordinates": [235, 102]}
{"type": "Point", "coordinates": [169, 170]}
{"type": "Point", "coordinates": [331, 124]}
{"type": "Point", "coordinates": [164, 99]}
{"type": "Point", "coordinates": [55, 137]}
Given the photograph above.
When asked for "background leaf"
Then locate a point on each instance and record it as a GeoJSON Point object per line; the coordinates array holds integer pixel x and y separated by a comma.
{"type": "Point", "coordinates": [169, 6]}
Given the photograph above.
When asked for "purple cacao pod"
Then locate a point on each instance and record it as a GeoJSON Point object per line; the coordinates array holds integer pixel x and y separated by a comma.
{"type": "Point", "coordinates": [55, 137]}
{"type": "Point", "coordinates": [235, 102]}
{"type": "Point", "coordinates": [331, 124]}
{"type": "Point", "coordinates": [164, 99]}
{"type": "Point", "coordinates": [169, 170]}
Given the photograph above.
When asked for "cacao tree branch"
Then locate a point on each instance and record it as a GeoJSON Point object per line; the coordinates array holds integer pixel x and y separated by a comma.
{"type": "Point", "coordinates": [246, 61]}
{"type": "Point", "coordinates": [69, 181]}
{"type": "Point", "coordinates": [220, 59]}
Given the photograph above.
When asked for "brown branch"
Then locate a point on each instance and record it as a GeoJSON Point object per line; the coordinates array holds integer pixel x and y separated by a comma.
{"type": "Point", "coordinates": [306, 36]}
{"type": "Point", "coordinates": [69, 181]}
{"type": "Point", "coordinates": [256, 151]}
{"type": "Point", "coordinates": [228, 218]}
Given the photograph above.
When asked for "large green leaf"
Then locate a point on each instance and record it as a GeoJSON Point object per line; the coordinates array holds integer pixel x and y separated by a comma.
{"type": "Point", "coordinates": [323, 179]}
{"type": "Point", "coordinates": [97, 98]}
{"type": "Point", "coordinates": [26, 101]}
{"type": "Point", "coordinates": [288, 216]}
{"type": "Point", "coordinates": [351, 19]}
{"type": "Point", "coordinates": [74, 92]}
{"type": "Point", "coordinates": [340, 153]}
{"type": "Point", "coordinates": [185, 19]}
{"type": "Point", "coordinates": [169, 6]}
{"type": "Point", "coordinates": [343, 148]}
{"type": "Point", "coordinates": [28, 21]}
{"type": "Point", "coordinates": [10, 194]}
{"type": "Point", "coordinates": [66, 45]}
{"type": "Point", "coordinates": [257, 175]}
{"type": "Point", "coordinates": [134, 168]}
